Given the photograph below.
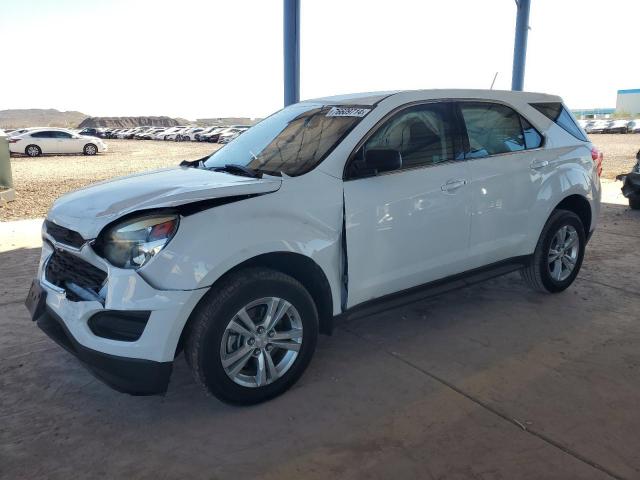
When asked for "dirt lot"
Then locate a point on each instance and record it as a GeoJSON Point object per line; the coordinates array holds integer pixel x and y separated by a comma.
{"type": "Point", "coordinates": [489, 382]}
{"type": "Point", "coordinates": [619, 152]}
{"type": "Point", "coordinates": [39, 181]}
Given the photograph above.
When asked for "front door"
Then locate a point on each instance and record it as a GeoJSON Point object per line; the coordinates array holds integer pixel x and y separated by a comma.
{"type": "Point", "coordinates": [410, 226]}
{"type": "Point", "coordinates": [66, 143]}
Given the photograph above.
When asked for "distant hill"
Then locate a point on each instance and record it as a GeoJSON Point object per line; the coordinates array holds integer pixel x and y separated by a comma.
{"type": "Point", "coordinates": [40, 117]}
{"type": "Point", "coordinates": [228, 121]}
{"type": "Point", "coordinates": [128, 122]}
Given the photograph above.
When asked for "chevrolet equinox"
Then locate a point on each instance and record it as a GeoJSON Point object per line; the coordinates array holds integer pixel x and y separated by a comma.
{"type": "Point", "coordinates": [326, 208]}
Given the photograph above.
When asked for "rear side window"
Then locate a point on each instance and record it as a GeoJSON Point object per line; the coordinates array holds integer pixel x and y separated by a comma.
{"type": "Point", "coordinates": [45, 134]}
{"type": "Point", "coordinates": [559, 114]}
{"type": "Point", "coordinates": [492, 129]}
{"type": "Point", "coordinates": [532, 138]}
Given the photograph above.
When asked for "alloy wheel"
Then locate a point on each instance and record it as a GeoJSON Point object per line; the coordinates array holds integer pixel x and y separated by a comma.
{"type": "Point", "coordinates": [261, 342]}
{"type": "Point", "coordinates": [563, 253]}
{"type": "Point", "coordinates": [33, 151]}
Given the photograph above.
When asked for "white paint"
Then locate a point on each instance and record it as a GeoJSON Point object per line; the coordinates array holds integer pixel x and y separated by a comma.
{"type": "Point", "coordinates": [403, 227]}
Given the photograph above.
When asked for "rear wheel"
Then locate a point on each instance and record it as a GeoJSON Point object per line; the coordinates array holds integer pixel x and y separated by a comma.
{"type": "Point", "coordinates": [634, 202]}
{"type": "Point", "coordinates": [33, 151]}
{"type": "Point", "coordinates": [90, 149]}
{"type": "Point", "coordinates": [558, 255]}
{"type": "Point", "coordinates": [252, 337]}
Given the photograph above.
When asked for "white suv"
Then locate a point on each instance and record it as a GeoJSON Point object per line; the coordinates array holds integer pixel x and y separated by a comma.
{"type": "Point", "coordinates": [325, 208]}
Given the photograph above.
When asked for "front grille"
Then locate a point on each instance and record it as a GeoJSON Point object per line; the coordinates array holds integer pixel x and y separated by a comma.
{"type": "Point", "coordinates": [64, 235]}
{"type": "Point", "coordinates": [64, 268]}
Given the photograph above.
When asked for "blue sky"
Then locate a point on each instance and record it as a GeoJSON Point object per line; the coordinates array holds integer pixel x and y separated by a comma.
{"type": "Point", "coordinates": [205, 58]}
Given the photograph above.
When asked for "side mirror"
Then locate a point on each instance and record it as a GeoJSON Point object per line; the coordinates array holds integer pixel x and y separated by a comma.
{"type": "Point", "coordinates": [383, 160]}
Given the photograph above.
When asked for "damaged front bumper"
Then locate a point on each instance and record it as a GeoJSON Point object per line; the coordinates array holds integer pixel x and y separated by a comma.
{"type": "Point", "coordinates": [124, 330]}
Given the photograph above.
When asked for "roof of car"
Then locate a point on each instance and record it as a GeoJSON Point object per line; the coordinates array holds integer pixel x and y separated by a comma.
{"type": "Point", "coordinates": [37, 129]}
{"type": "Point", "coordinates": [371, 98]}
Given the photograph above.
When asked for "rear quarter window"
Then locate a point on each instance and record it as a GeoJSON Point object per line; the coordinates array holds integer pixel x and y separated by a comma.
{"type": "Point", "coordinates": [557, 112]}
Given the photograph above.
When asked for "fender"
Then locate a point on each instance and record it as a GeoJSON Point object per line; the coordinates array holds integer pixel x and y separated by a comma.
{"type": "Point", "coordinates": [234, 233]}
{"type": "Point", "coordinates": [569, 176]}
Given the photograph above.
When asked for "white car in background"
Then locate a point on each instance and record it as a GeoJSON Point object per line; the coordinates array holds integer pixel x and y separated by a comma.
{"type": "Point", "coordinates": [123, 133]}
{"type": "Point", "coordinates": [40, 141]}
{"type": "Point", "coordinates": [634, 126]}
{"type": "Point", "coordinates": [149, 134]}
{"type": "Point", "coordinates": [205, 131]}
{"type": "Point", "coordinates": [172, 133]}
{"type": "Point", "coordinates": [599, 127]}
{"type": "Point", "coordinates": [232, 133]}
{"type": "Point", "coordinates": [189, 134]}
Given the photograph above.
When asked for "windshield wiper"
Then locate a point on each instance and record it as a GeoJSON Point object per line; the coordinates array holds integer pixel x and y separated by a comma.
{"type": "Point", "coordinates": [194, 163]}
{"type": "Point", "coordinates": [235, 169]}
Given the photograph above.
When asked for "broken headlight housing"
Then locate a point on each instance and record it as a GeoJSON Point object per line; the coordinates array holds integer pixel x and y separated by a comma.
{"type": "Point", "coordinates": [133, 242]}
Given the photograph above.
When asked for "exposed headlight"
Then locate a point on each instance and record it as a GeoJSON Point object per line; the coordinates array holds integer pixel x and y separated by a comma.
{"type": "Point", "coordinates": [134, 242]}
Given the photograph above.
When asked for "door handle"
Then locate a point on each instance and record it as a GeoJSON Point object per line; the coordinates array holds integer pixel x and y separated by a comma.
{"type": "Point", "coordinates": [538, 164]}
{"type": "Point", "coordinates": [453, 185]}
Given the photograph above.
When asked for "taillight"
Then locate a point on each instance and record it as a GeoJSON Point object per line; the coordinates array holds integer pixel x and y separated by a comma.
{"type": "Point", "coordinates": [14, 140]}
{"type": "Point", "coordinates": [597, 158]}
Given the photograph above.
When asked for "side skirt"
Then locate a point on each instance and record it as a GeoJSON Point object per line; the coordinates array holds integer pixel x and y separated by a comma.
{"type": "Point", "coordinates": [431, 289]}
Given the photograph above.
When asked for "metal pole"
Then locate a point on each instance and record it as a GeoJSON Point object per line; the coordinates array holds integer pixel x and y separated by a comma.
{"type": "Point", "coordinates": [520, 47]}
{"type": "Point", "coordinates": [291, 52]}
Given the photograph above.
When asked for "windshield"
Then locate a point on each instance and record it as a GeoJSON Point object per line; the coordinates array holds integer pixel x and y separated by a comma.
{"type": "Point", "coordinates": [293, 140]}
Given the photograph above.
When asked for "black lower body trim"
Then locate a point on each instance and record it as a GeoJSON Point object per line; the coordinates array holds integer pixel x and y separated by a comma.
{"type": "Point", "coordinates": [127, 375]}
{"type": "Point", "coordinates": [434, 288]}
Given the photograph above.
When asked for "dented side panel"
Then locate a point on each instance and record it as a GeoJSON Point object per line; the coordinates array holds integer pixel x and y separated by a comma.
{"type": "Point", "coordinates": [230, 234]}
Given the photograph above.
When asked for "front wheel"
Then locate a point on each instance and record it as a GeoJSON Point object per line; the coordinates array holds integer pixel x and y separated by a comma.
{"type": "Point", "coordinates": [558, 255]}
{"type": "Point", "coordinates": [252, 336]}
{"type": "Point", "coordinates": [634, 202]}
{"type": "Point", "coordinates": [90, 149]}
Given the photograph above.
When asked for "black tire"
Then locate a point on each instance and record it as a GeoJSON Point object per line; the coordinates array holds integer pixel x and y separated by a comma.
{"type": "Point", "coordinates": [537, 273]}
{"type": "Point", "coordinates": [90, 149]}
{"type": "Point", "coordinates": [33, 150]}
{"type": "Point", "coordinates": [634, 202]}
{"type": "Point", "coordinates": [218, 308]}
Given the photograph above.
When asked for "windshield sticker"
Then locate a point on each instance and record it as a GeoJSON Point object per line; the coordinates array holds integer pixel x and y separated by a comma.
{"type": "Point", "coordinates": [348, 112]}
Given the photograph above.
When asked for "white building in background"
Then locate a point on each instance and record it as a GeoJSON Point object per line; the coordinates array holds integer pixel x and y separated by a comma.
{"type": "Point", "coordinates": [628, 101]}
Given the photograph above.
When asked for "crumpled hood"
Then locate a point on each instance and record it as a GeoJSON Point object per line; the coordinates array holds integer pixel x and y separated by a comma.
{"type": "Point", "coordinates": [89, 209]}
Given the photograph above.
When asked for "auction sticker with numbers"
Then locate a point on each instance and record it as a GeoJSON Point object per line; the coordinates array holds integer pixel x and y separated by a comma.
{"type": "Point", "coordinates": [348, 112]}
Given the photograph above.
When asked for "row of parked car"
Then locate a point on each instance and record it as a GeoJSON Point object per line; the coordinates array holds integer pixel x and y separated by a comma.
{"type": "Point", "coordinates": [213, 134]}
{"type": "Point", "coordinates": [610, 126]}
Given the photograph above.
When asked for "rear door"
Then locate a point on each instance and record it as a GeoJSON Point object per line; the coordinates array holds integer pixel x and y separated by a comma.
{"type": "Point", "coordinates": [410, 226]}
{"type": "Point", "coordinates": [46, 141]}
{"type": "Point", "coordinates": [504, 156]}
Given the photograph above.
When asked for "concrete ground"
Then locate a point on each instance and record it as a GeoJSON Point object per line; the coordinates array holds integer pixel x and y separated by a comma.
{"type": "Point", "coordinates": [489, 382]}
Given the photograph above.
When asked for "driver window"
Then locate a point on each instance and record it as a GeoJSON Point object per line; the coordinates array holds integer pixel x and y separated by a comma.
{"type": "Point", "coordinates": [423, 135]}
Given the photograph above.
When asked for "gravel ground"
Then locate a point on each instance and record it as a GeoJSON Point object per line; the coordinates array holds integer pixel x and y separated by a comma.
{"type": "Point", "coordinates": [619, 152]}
{"type": "Point", "coordinates": [40, 181]}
